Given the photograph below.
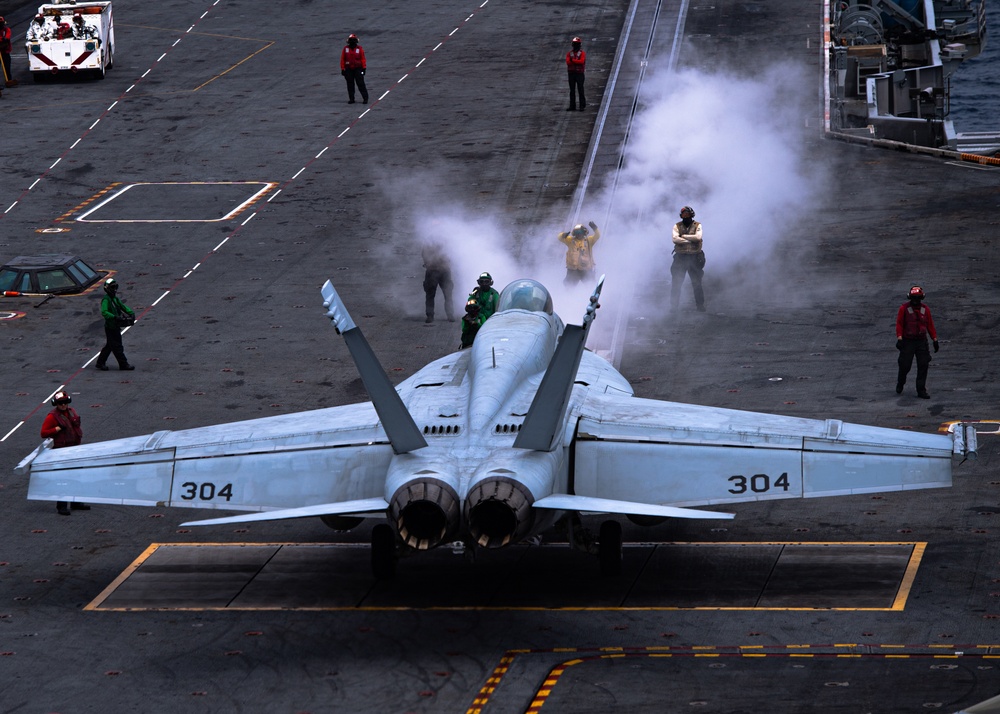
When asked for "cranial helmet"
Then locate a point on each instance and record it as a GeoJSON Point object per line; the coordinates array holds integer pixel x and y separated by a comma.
{"type": "Point", "coordinates": [471, 304]}
{"type": "Point", "coordinates": [39, 18]}
{"type": "Point", "coordinates": [688, 210]}
{"type": "Point", "coordinates": [78, 18]}
{"type": "Point", "coordinates": [485, 277]}
{"type": "Point", "coordinates": [580, 230]}
{"type": "Point", "coordinates": [352, 38]}
{"type": "Point", "coordinates": [61, 397]}
{"type": "Point", "coordinates": [916, 292]}
{"type": "Point", "coordinates": [577, 41]}
{"type": "Point", "coordinates": [110, 285]}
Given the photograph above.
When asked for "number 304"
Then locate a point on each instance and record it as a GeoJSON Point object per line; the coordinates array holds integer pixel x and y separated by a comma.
{"type": "Point", "coordinates": [205, 491]}
{"type": "Point", "coordinates": [758, 483]}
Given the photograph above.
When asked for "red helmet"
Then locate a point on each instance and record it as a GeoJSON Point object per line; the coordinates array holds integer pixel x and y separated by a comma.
{"type": "Point", "coordinates": [577, 41]}
{"type": "Point", "coordinates": [61, 397]}
{"type": "Point", "coordinates": [352, 36]}
{"type": "Point", "coordinates": [916, 292]}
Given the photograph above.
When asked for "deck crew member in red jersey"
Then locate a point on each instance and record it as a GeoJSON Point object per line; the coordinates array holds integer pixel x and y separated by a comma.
{"type": "Point", "coordinates": [62, 425]}
{"type": "Point", "coordinates": [913, 324]}
{"type": "Point", "coordinates": [576, 61]}
{"type": "Point", "coordinates": [352, 68]}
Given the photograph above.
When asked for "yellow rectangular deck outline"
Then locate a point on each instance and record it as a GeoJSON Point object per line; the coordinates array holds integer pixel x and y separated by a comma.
{"type": "Point", "coordinates": [898, 604]}
{"type": "Point", "coordinates": [266, 186]}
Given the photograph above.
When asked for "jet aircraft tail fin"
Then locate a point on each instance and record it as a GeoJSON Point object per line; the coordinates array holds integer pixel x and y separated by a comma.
{"type": "Point", "coordinates": [548, 408]}
{"type": "Point", "coordinates": [403, 433]}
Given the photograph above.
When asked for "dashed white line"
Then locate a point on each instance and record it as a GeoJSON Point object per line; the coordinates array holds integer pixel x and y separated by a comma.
{"type": "Point", "coordinates": [16, 427]}
{"type": "Point", "coordinates": [224, 241]}
{"type": "Point", "coordinates": [175, 42]}
{"type": "Point", "coordinates": [386, 94]}
{"type": "Point", "coordinates": [196, 266]}
{"type": "Point", "coordinates": [56, 162]}
{"type": "Point", "coordinates": [248, 218]}
{"type": "Point", "coordinates": [129, 89]}
{"type": "Point", "coordinates": [437, 46]}
{"type": "Point", "coordinates": [146, 72]}
{"type": "Point", "coordinates": [76, 142]}
{"type": "Point", "coordinates": [93, 125]}
{"type": "Point", "coordinates": [269, 199]}
{"type": "Point", "coordinates": [402, 78]}
{"type": "Point", "coordinates": [35, 183]}
{"type": "Point", "coordinates": [362, 114]}
{"type": "Point", "coordinates": [11, 206]}
{"type": "Point", "coordinates": [160, 57]}
{"type": "Point", "coordinates": [421, 61]}
{"type": "Point", "coordinates": [155, 302]}
{"type": "Point", "coordinates": [189, 29]}
{"type": "Point", "coordinates": [322, 152]}
{"type": "Point", "coordinates": [300, 171]}
{"type": "Point", "coordinates": [112, 106]}
{"type": "Point", "coordinates": [338, 136]}
{"type": "Point", "coordinates": [452, 32]}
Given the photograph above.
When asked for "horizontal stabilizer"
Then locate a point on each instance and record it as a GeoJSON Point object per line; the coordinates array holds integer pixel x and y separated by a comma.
{"type": "Point", "coordinates": [569, 502]}
{"type": "Point", "coordinates": [365, 505]}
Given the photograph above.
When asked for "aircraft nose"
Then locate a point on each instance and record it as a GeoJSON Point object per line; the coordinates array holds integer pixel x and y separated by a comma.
{"type": "Point", "coordinates": [426, 512]}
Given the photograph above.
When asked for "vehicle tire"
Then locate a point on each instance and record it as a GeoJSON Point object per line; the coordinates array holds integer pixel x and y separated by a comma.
{"type": "Point", "coordinates": [383, 552]}
{"type": "Point", "coordinates": [609, 548]}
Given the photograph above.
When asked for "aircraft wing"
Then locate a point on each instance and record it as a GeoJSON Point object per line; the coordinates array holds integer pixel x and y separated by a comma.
{"type": "Point", "coordinates": [324, 456]}
{"type": "Point", "coordinates": [648, 451]}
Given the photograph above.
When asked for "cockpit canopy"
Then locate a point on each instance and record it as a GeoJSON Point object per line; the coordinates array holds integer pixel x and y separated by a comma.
{"type": "Point", "coordinates": [525, 294]}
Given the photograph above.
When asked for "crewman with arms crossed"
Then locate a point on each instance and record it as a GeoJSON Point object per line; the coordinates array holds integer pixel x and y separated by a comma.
{"type": "Point", "coordinates": [576, 63]}
{"type": "Point", "coordinates": [689, 259]}
{"type": "Point", "coordinates": [913, 324]}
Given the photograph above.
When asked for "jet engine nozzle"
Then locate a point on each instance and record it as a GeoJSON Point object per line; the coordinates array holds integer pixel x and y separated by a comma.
{"type": "Point", "coordinates": [425, 512]}
{"type": "Point", "coordinates": [499, 512]}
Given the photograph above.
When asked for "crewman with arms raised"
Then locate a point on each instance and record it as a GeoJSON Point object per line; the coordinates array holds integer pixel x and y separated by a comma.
{"type": "Point", "coordinates": [579, 244]}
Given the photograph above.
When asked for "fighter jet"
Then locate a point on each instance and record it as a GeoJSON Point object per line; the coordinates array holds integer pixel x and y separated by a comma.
{"type": "Point", "coordinates": [493, 445]}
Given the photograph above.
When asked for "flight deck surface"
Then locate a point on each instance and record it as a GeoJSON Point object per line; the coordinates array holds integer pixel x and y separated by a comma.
{"type": "Point", "coordinates": [655, 576]}
{"type": "Point", "coordinates": [217, 101]}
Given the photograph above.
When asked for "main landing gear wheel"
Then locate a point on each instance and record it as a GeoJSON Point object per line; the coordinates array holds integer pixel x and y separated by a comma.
{"type": "Point", "coordinates": [609, 548]}
{"type": "Point", "coordinates": [383, 551]}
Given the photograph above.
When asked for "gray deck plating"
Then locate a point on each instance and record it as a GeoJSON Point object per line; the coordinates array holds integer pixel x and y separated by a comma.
{"type": "Point", "coordinates": [654, 576]}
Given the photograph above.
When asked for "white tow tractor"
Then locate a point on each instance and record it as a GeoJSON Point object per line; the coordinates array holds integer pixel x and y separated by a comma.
{"type": "Point", "coordinates": [73, 37]}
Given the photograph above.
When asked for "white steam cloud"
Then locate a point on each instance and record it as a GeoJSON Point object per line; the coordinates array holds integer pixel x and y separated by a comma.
{"type": "Point", "coordinates": [730, 146]}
